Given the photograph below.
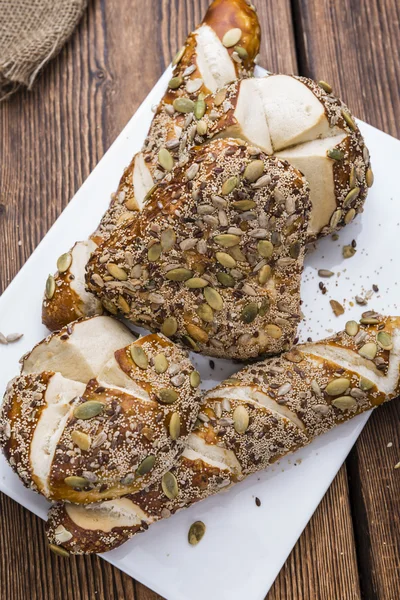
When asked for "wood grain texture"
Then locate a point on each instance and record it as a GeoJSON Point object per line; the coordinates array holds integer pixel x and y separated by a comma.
{"type": "Point", "coordinates": [50, 140]}
{"type": "Point", "coordinates": [356, 49]}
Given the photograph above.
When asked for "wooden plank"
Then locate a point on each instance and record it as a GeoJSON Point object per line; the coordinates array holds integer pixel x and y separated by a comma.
{"type": "Point", "coordinates": [50, 140]}
{"type": "Point", "coordinates": [356, 50]}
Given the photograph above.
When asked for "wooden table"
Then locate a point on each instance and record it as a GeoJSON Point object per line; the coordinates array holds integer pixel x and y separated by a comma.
{"type": "Point", "coordinates": [50, 140]}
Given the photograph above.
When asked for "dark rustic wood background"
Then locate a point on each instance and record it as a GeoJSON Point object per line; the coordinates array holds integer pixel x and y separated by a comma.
{"type": "Point", "coordinates": [50, 140]}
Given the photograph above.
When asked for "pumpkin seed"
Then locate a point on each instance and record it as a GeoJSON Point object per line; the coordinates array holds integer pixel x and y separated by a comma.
{"type": "Point", "coordinates": [337, 386]}
{"type": "Point", "coordinates": [335, 154]}
{"type": "Point", "coordinates": [192, 171]}
{"type": "Point", "coordinates": [205, 313]}
{"type": "Point", "coordinates": [366, 384]}
{"type": "Point", "coordinates": [273, 331]}
{"type": "Point", "coordinates": [368, 351]}
{"type": "Point", "coordinates": [50, 287]}
{"type": "Point", "coordinates": [175, 426]}
{"type": "Point", "coordinates": [225, 279]}
{"type": "Point", "coordinates": [369, 177]}
{"type": "Point", "coordinates": [64, 262]}
{"type": "Point", "coordinates": [200, 109]}
{"type": "Point", "coordinates": [349, 216]}
{"type": "Point", "coordinates": [183, 105]}
{"type": "Point", "coordinates": [76, 482]}
{"type": "Point", "coordinates": [108, 305]}
{"type": "Point", "coordinates": [146, 465]}
{"type": "Point", "coordinates": [160, 363]}
{"type": "Point", "coordinates": [240, 419]}
{"type": "Point", "coordinates": [227, 240]}
{"type": "Point", "coordinates": [225, 260]}
{"type": "Point", "coordinates": [384, 340]}
{"type": "Point", "coordinates": [242, 52]}
{"type": "Point", "coordinates": [179, 274]}
{"type": "Point", "coordinates": [59, 550]}
{"type": "Point", "coordinates": [88, 410]}
{"type": "Point", "coordinates": [344, 403]}
{"type": "Point", "coordinates": [229, 185]}
{"type": "Point", "coordinates": [169, 485]}
{"type": "Point", "coordinates": [139, 357]}
{"type": "Point", "coordinates": [154, 252]}
{"type": "Point", "coordinates": [197, 333]}
{"type": "Point", "coordinates": [117, 272]}
{"type": "Point", "coordinates": [353, 178]}
{"type": "Point", "coordinates": [232, 37]}
{"type": "Point", "coordinates": [325, 86]}
{"type": "Point", "coordinates": [294, 250]}
{"type": "Point", "coordinates": [265, 248]}
{"type": "Point", "coordinates": [195, 379]}
{"type": "Point", "coordinates": [165, 159]}
{"type": "Point", "coordinates": [175, 82]}
{"type": "Point", "coordinates": [348, 251]}
{"type": "Point", "coordinates": [81, 439]}
{"type": "Point", "coordinates": [264, 274]}
{"type": "Point", "coordinates": [191, 343]}
{"type": "Point", "coordinates": [213, 298]}
{"type": "Point", "coordinates": [254, 170]}
{"type": "Point", "coordinates": [335, 218]}
{"type": "Point", "coordinates": [196, 532]}
{"type": "Point", "coordinates": [167, 239]}
{"type": "Point", "coordinates": [167, 396]}
{"type": "Point", "coordinates": [347, 117]}
{"type": "Point", "coordinates": [169, 326]}
{"type": "Point", "coordinates": [178, 56]}
{"type": "Point", "coordinates": [196, 283]}
{"type": "Point", "coordinates": [352, 328]}
{"type": "Point", "coordinates": [351, 196]}
{"type": "Point", "coordinates": [249, 312]}
{"type": "Point", "coordinates": [244, 205]}
{"type": "Point", "coordinates": [202, 128]}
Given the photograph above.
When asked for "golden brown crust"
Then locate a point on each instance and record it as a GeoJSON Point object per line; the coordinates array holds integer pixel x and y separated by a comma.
{"type": "Point", "coordinates": [301, 404]}
{"type": "Point", "coordinates": [254, 269]}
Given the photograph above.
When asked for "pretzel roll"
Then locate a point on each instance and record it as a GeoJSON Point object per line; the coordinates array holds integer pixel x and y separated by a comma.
{"type": "Point", "coordinates": [216, 257]}
{"type": "Point", "coordinates": [115, 434]}
{"type": "Point", "coordinates": [248, 422]}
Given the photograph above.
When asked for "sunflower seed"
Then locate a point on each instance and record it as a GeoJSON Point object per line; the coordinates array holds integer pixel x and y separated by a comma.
{"type": "Point", "coordinates": [201, 126]}
{"type": "Point", "coordinates": [229, 185]}
{"type": "Point", "coordinates": [188, 244]}
{"type": "Point", "coordinates": [139, 357]}
{"type": "Point", "coordinates": [50, 287]}
{"type": "Point", "coordinates": [169, 485]}
{"type": "Point", "coordinates": [178, 380]}
{"type": "Point", "coordinates": [160, 363]}
{"type": "Point", "coordinates": [258, 233]}
{"type": "Point", "coordinates": [336, 307]}
{"type": "Point", "coordinates": [13, 337]}
{"type": "Point", "coordinates": [196, 532]}
{"type": "Point", "coordinates": [88, 410]}
{"type": "Point", "coordinates": [179, 274]}
{"type": "Point", "coordinates": [368, 351]}
{"type": "Point", "coordinates": [321, 409]}
{"type": "Point", "coordinates": [169, 326]}
{"type": "Point", "coordinates": [316, 388]}
{"type": "Point", "coordinates": [220, 97]}
{"type": "Point", "coordinates": [358, 394]}
{"type": "Point", "coordinates": [384, 340]}
{"type": "Point", "coordinates": [213, 298]}
{"type": "Point", "coordinates": [264, 274]}
{"type": "Point", "coordinates": [192, 171]}
{"type": "Point", "coordinates": [218, 201]}
{"type": "Point", "coordinates": [344, 403]}
{"type": "Point", "coordinates": [284, 389]}
{"type": "Point", "coordinates": [241, 419]}
{"type": "Point", "coordinates": [264, 181]}
{"type": "Point", "coordinates": [193, 85]}
{"type": "Point", "coordinates": [325, 273]}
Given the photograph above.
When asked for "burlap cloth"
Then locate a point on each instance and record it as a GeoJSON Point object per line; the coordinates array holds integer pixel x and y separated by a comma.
{"type": "Point", "coordinates": [31, 33]}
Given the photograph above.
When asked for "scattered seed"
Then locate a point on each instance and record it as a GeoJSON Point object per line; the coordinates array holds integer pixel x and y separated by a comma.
{"type": "Point", "coordinates": [264, 181]}
{"type": "Point", "coordinates": [196, 532]}
{"type": "Point", "coordinates": [264, 274]}
{"type": "Point", "coordinates": [325, 273]}
{"type": "Point", "coordinates": [13, 337]}
{"type": "Point", "coordinates": [244, 205]}
{"type": "Point", "coordinates": [258, 501]}
{"type": "Point", "coordinates": [201, 126]}
{"type": "Point", "coordinates": [166, 159]}
{"type": "Point", "coordinates": [193, 85]}
{"type": "Point", "coordinates": [348, 251]}
{"type": "Point", "coordinates": [154, 252]}
{"type": "Point", "coordinates": [284, 389]}
{"type": "Point", "coordinates": [336, 307]}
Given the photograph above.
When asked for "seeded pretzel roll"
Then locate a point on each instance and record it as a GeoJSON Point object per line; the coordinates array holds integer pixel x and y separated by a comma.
{"type": "Point", "coordinates": [220, 50]}
{"type": "Point", "coordinates": [219, 266]}
{"type": "Point", "coordinates": [299, 121]}
{"type": "Point", "coordinates": [117, 433]}
{"type": "Point", "coordinates": [248, 422]}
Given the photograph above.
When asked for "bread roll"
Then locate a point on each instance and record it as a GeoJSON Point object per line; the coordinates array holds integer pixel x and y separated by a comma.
{"type": "Point", "coordinates": [92, 418]}
{"type": "Point", "coordinates": [248, 422]}
{"type": "Point", "coordinates": [215, 258]}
